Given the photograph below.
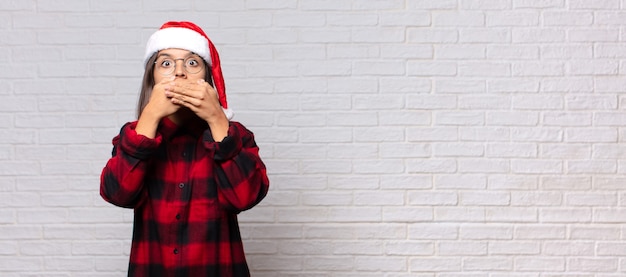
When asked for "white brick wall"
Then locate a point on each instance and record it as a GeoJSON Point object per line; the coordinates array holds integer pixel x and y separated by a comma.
{"type": "Point", "coordinates": [447, 138]}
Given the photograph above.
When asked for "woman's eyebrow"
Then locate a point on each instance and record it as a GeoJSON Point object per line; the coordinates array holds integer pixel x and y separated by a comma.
{"type": "Point", "coordinates": [170, 56]}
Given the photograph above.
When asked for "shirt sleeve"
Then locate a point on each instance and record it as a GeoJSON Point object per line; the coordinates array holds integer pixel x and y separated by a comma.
{"type": "Point", "coordinates": [239, 172]}
{"type": "Point", "coordinates": [121, 181]}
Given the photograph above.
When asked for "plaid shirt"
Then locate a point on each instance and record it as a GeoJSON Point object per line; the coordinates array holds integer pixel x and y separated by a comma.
{"type": "Point", "coordinates": [186, 190]}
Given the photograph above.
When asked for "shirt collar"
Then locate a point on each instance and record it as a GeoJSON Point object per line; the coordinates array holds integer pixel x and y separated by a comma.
{"type": "Point", "coordinates": [169, 129]}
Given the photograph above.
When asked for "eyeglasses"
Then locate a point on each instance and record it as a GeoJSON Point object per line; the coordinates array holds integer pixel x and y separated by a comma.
{"type": "Point", "coordinates": [165, 65]}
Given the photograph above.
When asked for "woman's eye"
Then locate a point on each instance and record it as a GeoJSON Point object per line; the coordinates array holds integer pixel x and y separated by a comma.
{"type": "Point", "coordinates": [192, 62]}
{"type": "Point", "coordinates": [166, 63]}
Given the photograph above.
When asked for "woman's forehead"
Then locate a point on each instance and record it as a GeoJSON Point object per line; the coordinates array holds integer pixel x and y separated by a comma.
{"type": "Point", "coordinates": [175, 52]}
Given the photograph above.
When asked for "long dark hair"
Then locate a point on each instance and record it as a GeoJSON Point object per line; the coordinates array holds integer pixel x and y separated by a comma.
{"type": "Point", "coordinates": [148, 82]}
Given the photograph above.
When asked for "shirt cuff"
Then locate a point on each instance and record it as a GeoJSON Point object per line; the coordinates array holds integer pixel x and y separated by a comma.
{"type": "Point", "coordinates": [226, 149]}
{"type": "Point", "coordinates": [136, 145]}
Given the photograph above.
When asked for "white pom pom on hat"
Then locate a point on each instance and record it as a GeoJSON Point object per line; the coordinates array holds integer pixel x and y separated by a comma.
{"type": "Point", "coordinates": [187, 35]}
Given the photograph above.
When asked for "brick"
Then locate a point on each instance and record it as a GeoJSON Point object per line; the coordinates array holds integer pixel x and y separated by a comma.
{"type": "Point", "coordinates": [592, 199]}
{"type": "Point", "coordinates": [538, 3]}
{"type": "Point", "coordinates": [34, 216]}
{"type": "Point", "coordinates": [517, 86]}
{"type": "Point", "coordinates": [512, 182]}
{"type": "Point", "coordinates": [486, 232]}
{"type": "Point", "coordinates": [601, 4]}
{"type": "Point", "coordinates": [351, 183]}
{"type": "Point", "coordinates": [569, 249]}
{"type": "Point", "coordinates": [356, 151]}
{"type": "Point", "coordinates": [329, 263]}
{"type": "Point", "coordinates": [536, 167]}
{"type": "Point", "coordinates": [513, 52]}
{"type": "Point", "coordinates": [326, 167]}
{"type": "Point", "coordinates": [388, 198]}
{"type": "Point", "coordinates": [460, 19]}
{"type": "Point", "coordinates": [538, 35]}
{"type": "Point", "coordinates": [432, 166]}
{"type": "Point", "coordinates": [432, 36]}
{"type": "Point", "coordinates": [485, 35]}
{"type": "Point", "coordinates": [565, 51]}
{"type": "Point", "coordinates": [272, 37]}
{"type": "Point", "coordinates": [484, 69]}
{"type": "Point", "coordinates": [565, 215]}
{"type": "Point", "coordinates": [565, 151]}
{"type": "Point", "coordinates": [22, 264]}
{"type": "Point", "coordinates": [325, 199]}
{"type": "Point", "coordinates": [595, 264]}
{"type": "Point", "coordinates": [409, 248]}
{"type": "Point", "coordinates": [543, 231]}
{"type": "Point", "coordinates": [486, 4]}
{"type": "Point", "coordinates": [538, 69]}
{"type": "Point", "coordinates": [461, 86]}
{"type": "Point", "coordinates": [490, 263]}
{"type": "Point", "coordinates": [68, 263]}
{"type": "Point", "coordinates": [412, 18]}
{"type": "Point", "coordinates": [516, 18]}
{"type": "Point", "coordinates": [544, 199]}
{"type": "Point", "coordinates": [361, 20]}
{"type": "Point", "coordinates": [598, 233]}
{"type": "Point", "coordinates": [591, 134]}
{"type": "Point", "coordinates": [420, 231]}
{"type": "Point", "coordinates": [431, 69]}
{"type": "Point", "coordinates": [435, 264]}
{"type": "Point", "coordinates": [17, 5]}
{"type": "Point", "coordinates": [483, 102]}
{"type": "Point", "coordinates": [410, 214]}
{"type": "Point", "coordinates": [387, 166]}
{"type": "Point", "coordinates": [378, 69]}
{"type": "Point", "coordinates": [514, 248]}
{"type": "Point", "coordinates": [382, 263]}
{"type": "Point", "coordinates": [469, 248]}
{"type": "Point", "coordinates": [459, 214]}
{"type": "Point", "coordinates": [593, 35]}
{"type": "Point", "coordinates": [568, 18]}
{"type": "Point", "coordinates": [540, 264]}
{"type": "Point", "coordinates": [340, 51]}
{"type": "Point", "coordinates": [380, 134]}
{"type": "Point", "coordinates": [428, 5]}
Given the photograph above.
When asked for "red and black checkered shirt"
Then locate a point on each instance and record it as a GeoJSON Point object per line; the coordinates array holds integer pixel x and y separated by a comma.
{"type": "Point", "coordinates": [186, 190]}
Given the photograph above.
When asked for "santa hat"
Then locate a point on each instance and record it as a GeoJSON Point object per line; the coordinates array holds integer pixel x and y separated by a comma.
{"type": "Point", "coordinates": [188, 36]}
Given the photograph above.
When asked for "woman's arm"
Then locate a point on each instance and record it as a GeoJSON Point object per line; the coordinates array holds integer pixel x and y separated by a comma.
{"type": "Point", "coordinates": [121, 181]}
{"type": "Point", "coordinates": [239, 173]}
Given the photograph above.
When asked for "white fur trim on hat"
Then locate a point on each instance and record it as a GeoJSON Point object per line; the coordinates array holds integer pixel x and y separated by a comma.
{"type": "Point", "coordinates": [176, 37]}
{"type": "Point", "coordinates": [229, 113]}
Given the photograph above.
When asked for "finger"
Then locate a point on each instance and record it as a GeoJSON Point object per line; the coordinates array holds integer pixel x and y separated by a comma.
{"type": "Point", "coordinates": [190, 90]}
{"type": "Point", "coordinates": [191, 84]}
{"type": "Point", "coordinates": [208, 89]}
{"type": "Point", "coordinates": [183, 99]}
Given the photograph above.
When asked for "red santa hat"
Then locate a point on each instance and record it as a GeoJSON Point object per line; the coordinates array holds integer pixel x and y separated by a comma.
{"type": "Point", "coordinates": [188, 36]}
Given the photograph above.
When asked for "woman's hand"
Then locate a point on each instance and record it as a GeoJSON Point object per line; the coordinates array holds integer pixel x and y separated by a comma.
{"type": "Point", "coordinates": [158, 107]}
{"type": "Point", "coordinates": [202, 99]}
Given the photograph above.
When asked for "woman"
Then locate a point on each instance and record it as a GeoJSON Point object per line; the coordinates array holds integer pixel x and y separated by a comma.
{"type": "Point", "coordinates": [183, 166]}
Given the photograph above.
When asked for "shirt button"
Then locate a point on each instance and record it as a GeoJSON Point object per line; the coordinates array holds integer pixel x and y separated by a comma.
{"type": "Point", "coordinates": [175, 251]}
{"type": "Point", "coordinates": [178, 216]}
{"type": "Point", "coordinates": [181, 185]}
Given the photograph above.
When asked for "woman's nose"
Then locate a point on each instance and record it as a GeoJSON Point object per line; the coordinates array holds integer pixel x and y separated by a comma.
{"type": "Point", "coordinates": [179, 70]}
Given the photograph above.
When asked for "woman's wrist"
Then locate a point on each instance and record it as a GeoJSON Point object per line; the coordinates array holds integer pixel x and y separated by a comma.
{"type": "Point", "coordinates": [147, 124]}
{"type": "Point", "coordinates": [219, 127]}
